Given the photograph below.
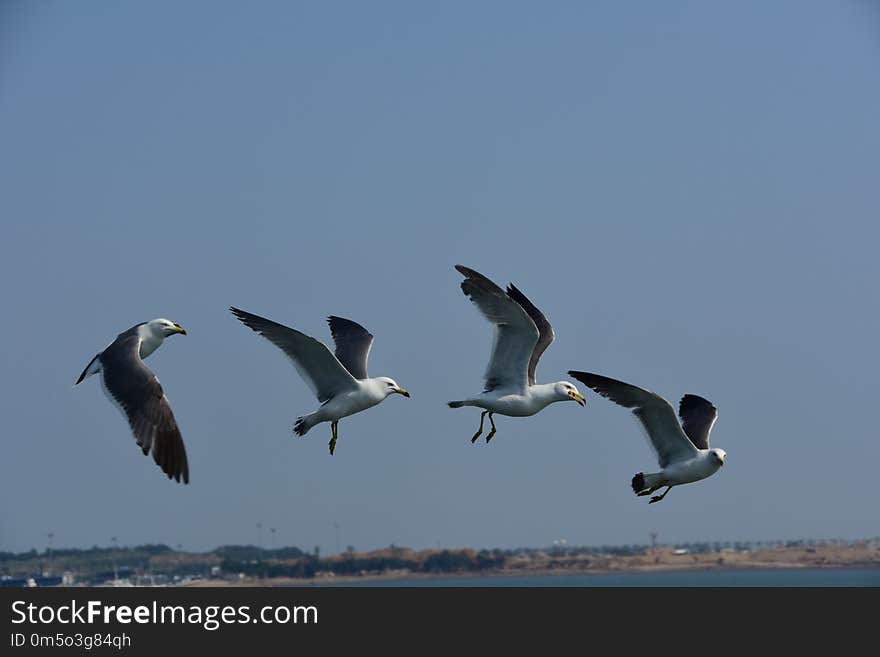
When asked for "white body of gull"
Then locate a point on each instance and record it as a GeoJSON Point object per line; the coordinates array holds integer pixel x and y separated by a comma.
{"type": "Point", "coordinates": [682, 449]}
{"type": "Point", "coordinates": [339, 381]}
{"type": "Point", "coordinates": [522, 334]}
{"type": "Point", "coordinates": [136, 391]}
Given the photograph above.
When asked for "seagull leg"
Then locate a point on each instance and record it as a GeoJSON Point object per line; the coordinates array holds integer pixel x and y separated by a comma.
{"type": "Point", "coordinates": [491, 433]}
{"type": "Point", "coordinates": [477, 435]}
{"type": "Point", "coordinates": [333, 426]}
{"type": "Point", "coordinates": [657, 498]}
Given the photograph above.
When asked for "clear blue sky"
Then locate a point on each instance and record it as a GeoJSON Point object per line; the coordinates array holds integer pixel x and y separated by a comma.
{"type": "Point", "coordinates": [688, 190]}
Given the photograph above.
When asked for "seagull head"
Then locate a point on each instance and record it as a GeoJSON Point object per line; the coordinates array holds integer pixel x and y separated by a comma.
{"type": "Point", "coordinates": [390, 386]}
{"type": "Point", "coordinates": [717, 456]}
{"type": "Point", "coordinates": [165, 327]}
{"type": "Point", "coordinates": [565, 391]}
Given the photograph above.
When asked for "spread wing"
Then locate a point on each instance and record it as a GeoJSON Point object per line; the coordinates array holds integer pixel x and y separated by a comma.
{"type": "Point", "coordinates": [320, 369]}
{"type": "Point", "coordinates": [136, 391]}
{"type": "Point", "coordinates": [353, 344]}
{"type": "Point", "coordinates": [654, 412]}
{"type": "Point", "coordinates": [697, 417]}
{"type": "Point", "coordinates": [515, 332]}
{"type": "Point", "coordinates": [546, 331]}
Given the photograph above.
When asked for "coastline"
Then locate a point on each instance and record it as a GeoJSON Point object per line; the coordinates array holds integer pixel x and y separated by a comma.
{"type": "Point", "coordinates": [659, 560]}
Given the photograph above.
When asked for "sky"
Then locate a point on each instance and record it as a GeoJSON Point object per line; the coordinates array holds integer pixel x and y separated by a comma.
{"type": "Point", "coordinates": [688, 191]}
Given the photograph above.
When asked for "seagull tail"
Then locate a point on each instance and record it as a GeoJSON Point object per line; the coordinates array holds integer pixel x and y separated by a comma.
{"type": "Point", "coordinates": [638, 483]}
{"type": "Point", "coordinates": [456, 404]}
{"type": "Point", "coordinates": [645, 482]}
{"type": "Point", "coordinates": [301, 426]}
{"type": "Point", "coordinates": [93, 367]}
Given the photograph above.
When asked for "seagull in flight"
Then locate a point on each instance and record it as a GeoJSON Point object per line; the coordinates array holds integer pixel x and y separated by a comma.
{"type": "Point", "coordinates": [136, 391]}
{"type": "Point", "coordinates": [339, 381]}
{"type": "Point", "coordinates": [522, 334]}
{"type": "Point", "coordinates": [682, 449]}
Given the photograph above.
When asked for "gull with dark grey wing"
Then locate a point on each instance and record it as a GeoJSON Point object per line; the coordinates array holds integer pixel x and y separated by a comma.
{"type": "Point", "coordinates": [136, 391]}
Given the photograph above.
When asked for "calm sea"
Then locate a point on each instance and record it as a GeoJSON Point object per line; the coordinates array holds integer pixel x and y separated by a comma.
{"type": "Point", "coordinates": [771, 577]}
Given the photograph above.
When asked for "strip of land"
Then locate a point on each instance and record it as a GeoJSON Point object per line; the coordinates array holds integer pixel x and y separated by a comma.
{"type": "Point", "coordinates": [247, 565]}
{"type": "Point", "coordinates": [541, 562]}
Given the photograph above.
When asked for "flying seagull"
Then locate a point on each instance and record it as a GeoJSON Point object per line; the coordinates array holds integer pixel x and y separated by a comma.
{"type": "Point", "coordinates": [136, 391]}
{"type": "Point", "coordinates": [682, 449]}
{"type": "Point", "coordinates": [339, 381]}
{"type": "Point", "coordinates": [522, 334]}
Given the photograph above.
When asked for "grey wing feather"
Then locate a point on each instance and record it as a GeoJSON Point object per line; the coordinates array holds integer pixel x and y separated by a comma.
{"type": "Point", "coordinates": [353, 344]}
{"type": "Point", "coordinates": [697, 417]}
{"type": "Point", "coordinates": [515, 332]}
{"type": "Point", "coordinates": [656, 415]}
{"type": "Point", "coordinates": [319, 368]}
{"type": "Point", "coordinates": [138, 393]}
{"type": "Point", "coordinates": [545, 330]}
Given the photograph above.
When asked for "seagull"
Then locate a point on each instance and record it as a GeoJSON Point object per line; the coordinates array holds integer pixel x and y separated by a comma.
{"type": "Point", "coordinates": [682, 449]}
{"type": "Point", "coordinates": [135, 390]}
{"type": "Point", "coordinates": [522, 334]}
{"type": "Point", "coordinates": [339, 381]}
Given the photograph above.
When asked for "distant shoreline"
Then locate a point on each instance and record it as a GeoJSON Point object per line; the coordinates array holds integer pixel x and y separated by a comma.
{"type": "Point", "coordinates": [341, 580]}
{"type": "Point", "coordinates": [158, 565]}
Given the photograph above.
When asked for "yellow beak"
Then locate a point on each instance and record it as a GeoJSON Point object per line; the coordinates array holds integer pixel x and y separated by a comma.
{"type": "Point", "coordinates": [401, 391]}
{"type": "Point", "coordinates": [180, 329]}
{"type": "Point", "coordinates": [579, 398]}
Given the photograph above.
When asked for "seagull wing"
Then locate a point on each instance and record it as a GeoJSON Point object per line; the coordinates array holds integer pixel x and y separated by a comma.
{"type": "Point", "coordinates": [654, 412]}
{"type": "Point", "coordinates": [353, 344]}
{"type": "Point", "coordinates": [136, 391]}
{"type": "Point", "coordinates": [697, 417]}
{"type": "Point", "coordinates": [544, 328]}
{"type": "Point", "coordinates": [320, 369]}
{"type": "Point", "coordinates": [515, 332]}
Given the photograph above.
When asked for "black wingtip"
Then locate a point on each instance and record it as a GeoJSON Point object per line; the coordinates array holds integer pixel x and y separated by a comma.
{"type": "Point", "coordinates": [469, 273]}
{"type": "Point", "coordinates": [690, 401]}
{"type": "Point", "coordinates": [589, 379]}
{"type": "Point", "coordinates": [243, 316]}
{"type": "Point", "coordinates": [516, 294]}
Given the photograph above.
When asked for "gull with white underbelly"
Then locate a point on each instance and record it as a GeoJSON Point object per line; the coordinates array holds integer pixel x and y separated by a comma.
{"type": "Point", "coordinates": [682, 449]}
{"type": "Point", "coordinates": [522, 334]}
{"type": "Point", "coordinates": [339, 381]}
